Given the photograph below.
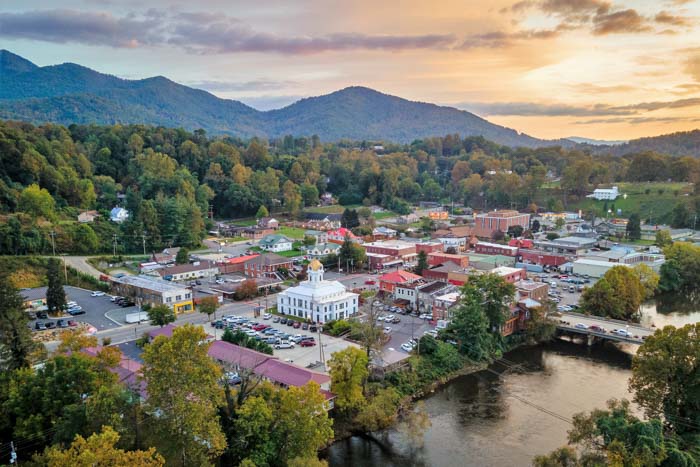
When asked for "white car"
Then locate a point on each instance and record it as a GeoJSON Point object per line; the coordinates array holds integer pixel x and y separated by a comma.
{"type": "Point", "coordinates": [267, 316]}
{"type": "Point", "coordinates": [407, 347]}
{"type": "Point", "coordinates": [381, 318]}
{"type": "Point", "coordinates": [581, 326]}
{"type": "Point", "coordinates": [97, 293]}
{"type": "Point", "coordinates": [387, 329]}
{"type": "Point", "coordinates": [622, 332]}
{"type": "Point", "coordinates": [389, 318]}
{"type": "Point", "coordinates": [431, 332]}
{"type": "Point", "coordinates": [285, 345]}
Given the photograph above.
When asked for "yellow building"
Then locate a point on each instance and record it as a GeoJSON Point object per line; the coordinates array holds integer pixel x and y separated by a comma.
{"type": "Point", "coordinates": [146, 290]}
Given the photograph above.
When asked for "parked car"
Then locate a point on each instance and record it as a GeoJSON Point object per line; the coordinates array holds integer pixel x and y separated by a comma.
{"type": "Point", "coordinates": [97, 293]}
{"type": "Point", "coordinates": [76, 312]}
{"type": "Point", "coordinates": [283, 321]}
{"type": "Point", "coordinates": [407, 347]}
{"type": "Point", "coordinates": [296, 325]}
{"type": "Point", "coordinates": [50, 325]}
{"type": "Point", "coordinates": [276, 319]}
{"type": "Point", "coordinates": [39, 326]}
{"type": "Point", "coordinates": [307, 343]}
{"type": "Point", "coordinates": [42, 315]}
{"type": "Point", "coordinates": [61, 323]}
{"type": "Point", "coordinates": [297, 338]}
{"type": "Point", "coordinates": [267, 316]}
{"type": "Point", "coordinates": [305, 326]}
{"type": "Point", "coordinates": [313, 328]}
{"type": "Point", "coordinates": [72, 323]}
{"type": "Point", "coordinates": [622, 332]}
{"type": "Point", "coordinates": [285, 345]}
{"type": "Point", "coordinates": [387, 329]}
{"type": "Point", "coordinates": [396, 320]}
{"type": "Point", "coordinates": [581, 326]}
{"type": "Point", "coordinates": [232, 377]}
{"type": "Point", "coordinates": [370, 282]}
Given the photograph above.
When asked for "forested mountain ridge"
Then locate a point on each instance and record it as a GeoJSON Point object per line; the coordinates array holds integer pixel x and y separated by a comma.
{"type": "Point", "coordinates": [70, 93]}
{"type": "Point", "coordinates": [682, 143]}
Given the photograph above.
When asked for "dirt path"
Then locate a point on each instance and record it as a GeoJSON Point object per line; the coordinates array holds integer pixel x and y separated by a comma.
{"type": "Point", "coordinates": [80, 263]}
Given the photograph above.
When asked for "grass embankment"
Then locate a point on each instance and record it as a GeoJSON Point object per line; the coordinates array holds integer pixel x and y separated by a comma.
{"type": "Point", "coordinates": [30, 272]}
{"type": "Point", "coordinates": [649, 200]}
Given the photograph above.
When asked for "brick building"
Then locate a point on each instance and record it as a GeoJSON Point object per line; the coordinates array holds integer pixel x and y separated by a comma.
{"type": "Point", "coordinates": [437, 258]}
{"type": "Point", "coordinates": [389, 281]}
{"type": "Point", "coordinates": [266, 265]}
{"type": "Point", "coordinates": [429, 247]}
{"type": "Point", "coordinates": [487, 223]}
{"type": "Point", "coordinates": [486, 248]}
{"type": "Point", "coordinates": [541, 257]}
{"type": "Point", "coordinates": [532, 290]}
{"type": "Point", "coordinates": [511, 275]}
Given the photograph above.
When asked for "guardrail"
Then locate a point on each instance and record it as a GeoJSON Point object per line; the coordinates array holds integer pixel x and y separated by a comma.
{"type": "Point", "coordinates": [604, 335]}
{"type": "Point", "coordinates": [607, 320]}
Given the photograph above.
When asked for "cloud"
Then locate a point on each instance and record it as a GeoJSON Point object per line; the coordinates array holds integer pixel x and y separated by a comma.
{"type": "Point", "coordinates": [692, 65]}
{"type": "Point", "coordinates": [664, 17]}
{"type": "Point", "coordinates": [197, 32]}
{"type": "Point", "coordinates": [270, 102]}
{"type": "Point", "coordinates": [619, 22]}
{"type": "Point", "coordinates": [635, 120]}
{"type": "Point", "coordinates": [92, 28]}
{"type": "Point", "coordinates": [233, 86]}
{"type": "Point", "coordinates": [498, 39]}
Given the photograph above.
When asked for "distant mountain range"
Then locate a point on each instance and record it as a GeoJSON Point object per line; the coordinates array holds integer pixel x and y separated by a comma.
{"type": "Point", "coordinates": [70, 93]}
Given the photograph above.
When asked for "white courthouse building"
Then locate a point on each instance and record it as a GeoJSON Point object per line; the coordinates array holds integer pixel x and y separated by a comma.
{"type": "Point", "coordinates": [317, 299]}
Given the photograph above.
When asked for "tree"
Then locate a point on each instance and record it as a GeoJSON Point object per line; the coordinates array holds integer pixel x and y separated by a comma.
{"type": "Point", "coordinates": [559, 223]}
{"type": "Point", "coordinates": [663, 238]}
{"type": "Point", "coordinates": [247, 289]}
{"type": "Point", "coordinates": [350, 254]}
{"type": "Point", "coordinates": [348, 371]}
{"type": "Point", "coordinates": [16, 343]}
{"type": "Point", "coordinates": [561, 457]}
{"type": "Point", "coordinates": [422, 264]}
{"type": "Point", "coordinates": [37, 202]}
{"type": "Point", "coordinates": [98, 450]}
{"type": "Point", "coordinates": [515, 231]}
{"type": "Point", "coordinates": [208, 306]}
{"type": "Point", "coordinates": [618, 294]}
{"type": "Point", "coordinates": [552, 236]}
{"type": "Point", "coordinates": [498, 236]}
{"type": "Point", "coordinates": [634, 229]}
{"type": "Point", "coordinates": [188, 408]}
{"type": "Point", "coordinates": [648, 278]}
{"type": "Point", "coordinates": [55, 295]}
{"type": "Point", "coordinates": [666, 376]}
{"type": "Point", "coordinates": [681, 271]}
{"type": "Point", "coordinates": [380, 411]}
{"type": "Point", "coordinates": [182, 256]}
{"type": "Point", "coordinates": [161, 315]}
{"type": "Point", "coordinates": [535, 226]}
{"type": "Point", "coordinates": [350, 219]}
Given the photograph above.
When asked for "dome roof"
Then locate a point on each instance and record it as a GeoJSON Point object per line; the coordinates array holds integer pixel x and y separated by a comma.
{"type": "Point", "coordinates": [315, 265]}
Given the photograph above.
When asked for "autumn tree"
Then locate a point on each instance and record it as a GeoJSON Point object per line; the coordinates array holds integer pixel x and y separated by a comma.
{"type": "Point", "coordinates": [99, 449]}
{"type": "Point", "coordinates": [247, 289]}
{"type": "Point", "coordinates": [663, 238]}
{"type": "Point", "coordinates": [648, 278]}
{"type": "Point", "coordinates": [161, 315]}
{"type": "Point", "coordinates": [208, 306]}
{"type": "Point", "coordinates": [380, 411]}
{"type": "Point", "coordinates": [37, 202]}
{"type": "Point", "coordinates": [183, 388]}
{"type": "Point", "coordinates": [618, 294]}
{"type": "Point", "coordinates": [16, 343]}
{"type": "Point", "coordinates": [348, 371]}
{"type": "Point", "coordinates": [55, 295]}
{"type": "Point", "coordinates": [262, 212]}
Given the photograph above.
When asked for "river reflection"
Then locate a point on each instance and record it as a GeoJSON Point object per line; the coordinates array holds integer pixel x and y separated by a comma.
{"type": "Point", "coordinates": [518, 408]}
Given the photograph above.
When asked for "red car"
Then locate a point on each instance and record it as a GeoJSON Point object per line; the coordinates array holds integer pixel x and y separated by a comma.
{"type": "Point", "coordinates": [596, 328]}
{"type": "Point", "coordinates": [307, 343]}
{"type": "Point", "coordinates": [260, 327]}
{"type": "Point", "coordinates": [72, 323]}
{"type": "Point", "coordinates": [370, 282]}
{"type": "Point", "coordinates": [296, 325]}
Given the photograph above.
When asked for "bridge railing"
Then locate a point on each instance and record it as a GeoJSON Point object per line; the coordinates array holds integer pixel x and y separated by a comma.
{"type": "Point", "coordinates": [608, 320]}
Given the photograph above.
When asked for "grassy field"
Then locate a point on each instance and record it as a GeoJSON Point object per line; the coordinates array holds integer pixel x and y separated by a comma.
{"type": "Point", "coordinates": [291, 232]}
{"type": "Point", "coordinates": [244, 222]}
{"type": "Point", "coordinates": [655, 200]}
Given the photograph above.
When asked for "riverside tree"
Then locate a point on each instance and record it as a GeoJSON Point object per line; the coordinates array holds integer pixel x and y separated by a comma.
{"type": "Point", "coordinates": [348, 371]}
{"type": "Point", "coordinates": [618, 294]}
{"type": "Point", "coordinates": [55, 295]}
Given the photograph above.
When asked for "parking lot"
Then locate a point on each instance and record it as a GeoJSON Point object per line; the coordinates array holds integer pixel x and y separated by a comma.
{"type": "Point", "coordinates": [98, 310]}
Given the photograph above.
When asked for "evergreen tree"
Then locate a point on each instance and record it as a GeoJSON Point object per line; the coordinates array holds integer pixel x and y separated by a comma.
{"type": "Point", "coordinates": [16, 343]}
{"type": "Point", "coordinates": [55, 295]}
{"type": "Point", "coordinates": [634, 229]}
{"type": "Point", "coordinates": [422, 262]}
{"type": "Point", "coordinates": [183, 256]}
{"type": "Point", "coordinates": [262, 212]}
{"type": "Point", "coordinates": [350, 219]}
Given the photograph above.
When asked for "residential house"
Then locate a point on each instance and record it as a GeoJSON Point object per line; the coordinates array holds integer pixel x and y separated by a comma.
{"type": "Point", "coordinates": [268, 223]}
{"type": "Point", "coordinates": [388, 281]}
{"type": "Point", "coordinates": [118, 215]}
{"type": "Point", "coordinates": [276, 243]}
{"type": "Point", "coordinates": [321, 250]}
{"type": "Point", "coordinates": [266, 265]}
{"type": "Point", "coordinates": [326, 199]}
{"type": "Point", "coordinates": [486, 224]}
{"type": "Point", "coordinates": [255, 232]}
{"type": "Point", "coordinates": [167, 256]}
{"type": "Point", "coordinates": [605, 194]}
{"type": "Point", "coordinates": [338, 235]}
{"type": "Point", "coordinates": [88, 216]}
{"type": "Point", "coordinates": [383, 233]}
{"type": "Point", "coordinates": [407, 219]}
{"type": "Point", "coordinates": [320, 236]}
{"type": "Point", "coordinates": [322, 221]}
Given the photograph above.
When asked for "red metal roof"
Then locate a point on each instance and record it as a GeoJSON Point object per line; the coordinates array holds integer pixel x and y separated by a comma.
{"type": "Point", "coordinates": [240, 259]}
{"type": "Point", "coordinates": [399, 277]}
{"type": "Point", "coordinates": [289, 375]}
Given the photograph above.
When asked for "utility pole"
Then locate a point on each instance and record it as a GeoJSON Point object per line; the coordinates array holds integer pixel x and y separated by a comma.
{"type": "Point", "coordinates": [53, 242]}
{"type": "Point", "coordinates": [115, 246]}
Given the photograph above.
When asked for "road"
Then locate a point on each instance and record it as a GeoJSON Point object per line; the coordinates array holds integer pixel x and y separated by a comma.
{"type": "Point", "coordinates": [572, 319]}
{"type": "Point", "coordinates": [80, 263]}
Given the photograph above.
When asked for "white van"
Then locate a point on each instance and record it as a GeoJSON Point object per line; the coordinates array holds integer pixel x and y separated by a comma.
{"type": "Point", "coordinates": [553, 284]}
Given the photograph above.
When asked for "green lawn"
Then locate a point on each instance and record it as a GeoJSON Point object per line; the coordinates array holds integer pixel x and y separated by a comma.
{"type": "Point", "coordinates": [384, 215]}
{"type": "Point", "coordinates": [290, 253]}
{"type": "Point", "coordinates": [291, 232]}
{"type": "Point", "coordinates": [646, 199]}
{"type": "Point", "coordinates": [244, 222]}
{"type": "Point", "coordinates": [332, 209]}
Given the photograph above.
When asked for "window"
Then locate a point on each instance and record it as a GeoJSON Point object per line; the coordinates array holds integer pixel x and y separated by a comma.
{"type": "Point", "coordinates": [168, 299]}
{"type": "Point", "coordinates": [178, 297]}
{"type": "Point", "coordinates": [187, 295]}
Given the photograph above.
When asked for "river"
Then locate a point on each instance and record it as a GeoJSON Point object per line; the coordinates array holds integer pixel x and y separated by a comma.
{"type": "Point", "coordinates": [515, 410]}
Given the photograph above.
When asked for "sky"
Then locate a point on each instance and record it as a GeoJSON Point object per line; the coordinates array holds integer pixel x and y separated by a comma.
{"type": "Point", "coordinates": [600, 69]}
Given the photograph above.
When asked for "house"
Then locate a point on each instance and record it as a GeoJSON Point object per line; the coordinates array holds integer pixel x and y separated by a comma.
{"type": "Point", "coordinates": [486, 224]}
{"type": "Point", "coordinates": [234, 265]}
{"type": "Point", "coordinates": [276, 243]}
{"type": "Point", "coordinates": [183, 272]}
{"type": "Point", "coordinates": [118, 215]}
{"type": "Point", "coordinates": [167, 256]}
{"type": "Point", "coordinates": [268, 223]}
{"type": "Point", "coordinates": [418, 296]}
{"type": "Point", "coordinates": [321, 221]}
{"type": "Point", "coordinates": [316, 299]}
{"type": "Point", "coordinates": [486, 248]}
{"type": "Point", "coordinates": [128, 371]}
{"type": "Point", "coordinates": [147, 290]}
{"type": "Point", "coordinates": [326, 199]}
{"type": "Point", "coordinates": [255, 232]}
{"type": "Point", "coordinates": [320, 250]}
{"type": "Point", "coordinates": [338, 235]}
{"type": "Point", "coordinates": [88, 216]}
{"type": "Point", "coordinates": [605, 194]}
{"type": "Point", "coordinates": [407, 219]}
{"type": "Point", "coordinates": [319, 235]}
{"type": "Point", "coordinates": [266, 265]}
{"type": "Point", "coordinates": [383, 233]}
{"type": "Point", "coordinates": [388, 281]}
{"type": "Point", "coordinates": [443, 305]}
{"type": "Point", "coordinates": [511, 275]}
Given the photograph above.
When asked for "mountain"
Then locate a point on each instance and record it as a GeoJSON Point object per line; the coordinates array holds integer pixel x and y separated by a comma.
{"type": "Point", "coordinates": [682, 143]}
{"type": "Point", "coordinates": [595, 142]}
{"type": "Point", "coordinates": [70, 93]}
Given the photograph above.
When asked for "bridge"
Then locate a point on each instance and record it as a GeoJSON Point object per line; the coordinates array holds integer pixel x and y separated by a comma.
{"type": "Point", "coordinates": [602, 328]}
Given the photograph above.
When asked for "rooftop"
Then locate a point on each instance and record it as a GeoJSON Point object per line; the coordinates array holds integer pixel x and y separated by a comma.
{"type": "Point", "coordinates": [180, 268]}
{"type": "Point", "coordinates": [529, 285]}
{"type": "Point", "coordinates": [504, 270]}
{"type": "Point", "coordinates": [498, 245]}
{"type": "Point", "coordinates": [432, 287]}
{"type": "Point", "coordinates": [145, 282]}
{"type": "Point", "coordinates": [269, 259]}
{"type": "Point", "coordinates": [500, 214]}
{"type": "Point", "coordinates": [391, 244]}
{"type": "Point", "coordinates": [399, 277]}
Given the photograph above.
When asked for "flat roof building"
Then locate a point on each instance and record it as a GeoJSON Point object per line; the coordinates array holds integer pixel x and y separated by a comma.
{"type": "Point", "coordinates": [146, 290]}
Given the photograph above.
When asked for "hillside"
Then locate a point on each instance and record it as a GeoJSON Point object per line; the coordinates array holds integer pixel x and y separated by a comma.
{"type": "Point", "coordinates": [70, 93]}
{"type": "Point", "coordinates": [683, 143]}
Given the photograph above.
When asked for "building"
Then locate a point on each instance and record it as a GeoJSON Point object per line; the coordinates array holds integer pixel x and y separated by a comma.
{"type": "Point", "coordinates": [438, 215]}
{"type": "Point", "coordinates": [183, 272]}
{"type": "Point", "coordinates": [511, 275]}
{"type": "Point", "coordinates": [88, 216]}
{"type": "Point", "coordinates": [486, 262]}
{"type": "Point", "coordinates": [383, 233]}
{"type": "Point", "coordinates": [147, 290]}
{"type": "Point", "coordinates": [443, 306]}
{"type": "Point", "coordinates": [389, 281]}
{"type": "Point", "coordinates": [522, 243]}
{"type": "Point", "coordinates": [319, 235]}
{"type": "Point", "coordinates": [568, 246]}
{"type": "Point", "coordinates": [376, 261]}
{"type": "Point", "coordinates": [541, 258]}
{"type": "Point", "coordinates": [316, 299]}
{"type": "Point", "coordinates": [338, 235]}
{"type": "Point", "coordinates": [593, 267]}
{"type": "Point", "coordinates": [531, 289]}
{"type": "Point", "coordinates": [276, 243]}
{"type": "Point", "coordinates": [429, 247]}
{"type": "Point", "coordinates": [486, 248]}
{"type": "Point", "coordinates": [396, 249]}
{"type": "Point", "coordinates": [486, 224]}
{"type": "Point", "coordinates": [254, 233]}
{"type": "Point", "coordinates": [418, 296]}
{"type": "Point", "coordinates": [451, 241]}
{"type": "Point", "coordinates": [604, 193]}
{"type": "Point", "coordinates": [268, 223]}
{"type": "Point", "coordinates": [407, 219]}
{"type": "Point", "coordinates": [320, 221]}
{"type": "Point", "coordinates": [437, 258]}
{"type": "Point", "coordinates": [266, 265]}
{"type": "Point", "coordinates": [320, 250]}
{"type": "Point", "coordinates": [441, 272]}
{"type": "Point", "coordinates": [118, 215]}
{"type": "Point", "coordinates": [234, 265]}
